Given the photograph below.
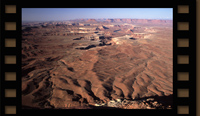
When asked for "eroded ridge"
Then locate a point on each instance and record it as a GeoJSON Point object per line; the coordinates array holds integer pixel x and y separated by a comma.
{"type": "Point", "coordinates": [88, 65]}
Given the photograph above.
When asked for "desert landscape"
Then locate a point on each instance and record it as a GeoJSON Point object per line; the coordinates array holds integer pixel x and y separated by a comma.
{"type": "Point", "coordinates": [97, 64]}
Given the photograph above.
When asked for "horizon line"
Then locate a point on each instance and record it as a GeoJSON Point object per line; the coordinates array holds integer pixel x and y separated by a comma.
{"type": "Point", "coordinates": [95, 19]}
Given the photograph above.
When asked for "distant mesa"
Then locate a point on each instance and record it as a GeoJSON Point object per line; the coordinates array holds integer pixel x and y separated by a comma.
{"type": "Point", "coordinates": [102, 28]}
{"type": "Point", "coordinates": [154, 21]}
{"type": "Point", "coordinates": [91, 20]}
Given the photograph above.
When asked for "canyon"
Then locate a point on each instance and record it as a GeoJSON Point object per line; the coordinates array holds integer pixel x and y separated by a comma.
{"type": "Point", "coordinates": [97, 64]}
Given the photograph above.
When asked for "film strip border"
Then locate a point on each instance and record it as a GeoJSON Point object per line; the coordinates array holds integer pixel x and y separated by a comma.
{"type": "Point", "coordinates": [10, 58]}
{"type": "Point", "coordinates": [184, 58]}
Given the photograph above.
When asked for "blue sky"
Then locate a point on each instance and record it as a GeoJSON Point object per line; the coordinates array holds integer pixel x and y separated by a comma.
{"type": "Point", "coordinates": [58, 14]}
